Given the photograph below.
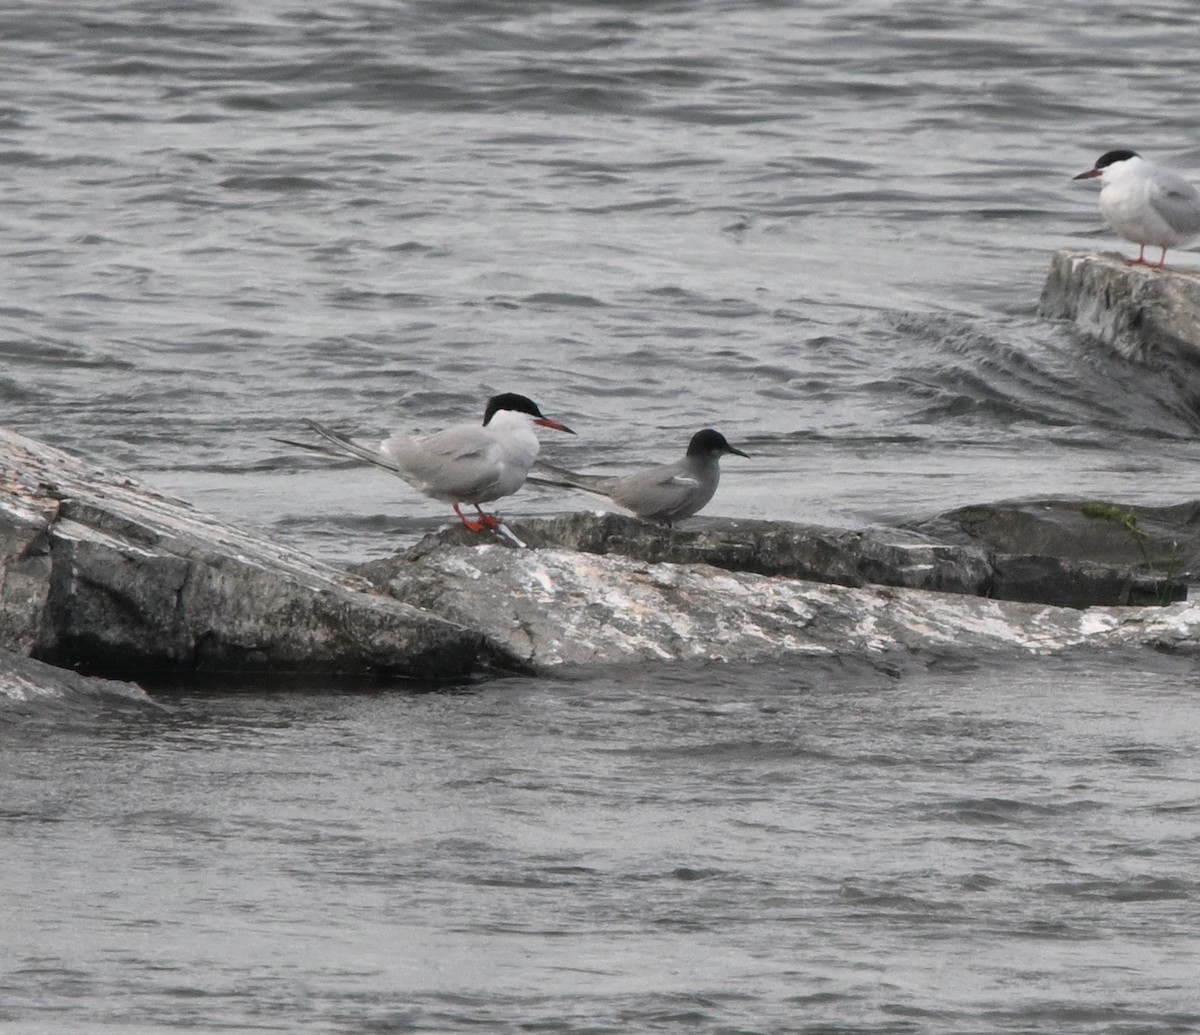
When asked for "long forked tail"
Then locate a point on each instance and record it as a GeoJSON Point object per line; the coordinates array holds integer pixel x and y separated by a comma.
{"type": "Point", "coordinates": [343, 445]}
{"type": "Point", "coordinates": [548, 474]}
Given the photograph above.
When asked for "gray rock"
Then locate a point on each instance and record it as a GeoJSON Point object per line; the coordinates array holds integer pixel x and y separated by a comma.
{"type": "Point", "coordinates": [100, 572]}
{"type": "Point", "coordinates": [551, 606]}
{"type": "Point", "coordinates": [849, 558]}
{"type": "Point", "coordinates": [941, 557]}
{"type": "Point", "coordinates": [32, 689]}
{"type": "Point", "coordinates": [1080, 553]}
{"type": "Point", "coordinates": [1151, 316]}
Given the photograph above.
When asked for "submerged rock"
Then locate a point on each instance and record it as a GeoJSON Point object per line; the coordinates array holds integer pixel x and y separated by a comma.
{"type": "Point", "coordinates": [1149, 315]}
{"type": "Point", "coordinates": [100, 572]}
{"type": "Point", "coordinates": [32, 688]}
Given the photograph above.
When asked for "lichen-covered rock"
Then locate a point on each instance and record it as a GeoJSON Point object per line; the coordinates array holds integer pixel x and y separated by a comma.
{"type": "Point", "coordinates": [1080, 553]}
{"type": "Point", "coordinates": [949, 554]}
{"type": "Point", "coordinates": [576, 608]}
{"type": "Point", "coordinates": [100, 572]}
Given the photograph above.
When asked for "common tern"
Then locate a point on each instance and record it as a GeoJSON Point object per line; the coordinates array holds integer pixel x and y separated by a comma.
{"type": "Point", "coordinates": [466, 463]}
{"type": "Point", "coordinates": [1145, 203]}
{"type": "Point", "coordinates": [665, 494]}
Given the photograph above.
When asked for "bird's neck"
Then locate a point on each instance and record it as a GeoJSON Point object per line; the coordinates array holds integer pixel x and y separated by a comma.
{"type": "Point", "coordinates": [510, 426]}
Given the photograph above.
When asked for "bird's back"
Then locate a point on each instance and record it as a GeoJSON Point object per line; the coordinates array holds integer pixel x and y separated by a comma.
{"type": "Point", "coordinates": [669, 493]}
{"type": "Point", "coordinates": [1150, 205]}
{"type": "Point", "coordinates": [468, 463]}
{"type": "Point", "coordinates": [1177, 201]}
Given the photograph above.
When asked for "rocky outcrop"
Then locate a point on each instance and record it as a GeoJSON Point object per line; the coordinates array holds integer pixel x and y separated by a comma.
{"type": "Point", "coordinates": [891, 557]}
{"type": "Point", "coordinates": [1078, 553]}
{"type": "Point", "coordinates": [1089, 562]}
{"type": "Point", "coordinates": [100, 572]}
{"type": "Point", "coordinates": [570, 607]}
{"type": "Point", "coordinates": [1152, 316]}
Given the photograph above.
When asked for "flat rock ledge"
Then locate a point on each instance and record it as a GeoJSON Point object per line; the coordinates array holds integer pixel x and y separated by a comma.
{"type": "Point", "coordinates": [611, 590]}
{"type": "Point", "coordinates": [1148, 315]}
{"type": "Point", "coordinates": [100, 573]}
{"type": "Point", "coordinates": [1046, 552]}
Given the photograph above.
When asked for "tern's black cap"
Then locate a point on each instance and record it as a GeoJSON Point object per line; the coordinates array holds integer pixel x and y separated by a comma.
{"type": "Point", "coordinates": [710, 441]}
{"type": "Point", "coordinates": [520, 404]}
{"type": "Point", "coordinates": [510, 401]}
{"type": "Point", "coordinates": [1109, 157]}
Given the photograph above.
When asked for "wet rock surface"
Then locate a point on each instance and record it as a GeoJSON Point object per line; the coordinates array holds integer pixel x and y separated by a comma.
{"type": "Point", "coordinates": [1079, 553]}
{"type": "Point", "coordinates": [1037, 552]}
{"type": "Point", "coordinates": [1151, 316]}
{"type": "Point", "coordinates": [102, 573]}
{"type": "Point", "coordinates": [565, 606]}
{"type": "Point", "coordinates": [603, 588]}
{"type": "Point", "coordinates": [32, 688]}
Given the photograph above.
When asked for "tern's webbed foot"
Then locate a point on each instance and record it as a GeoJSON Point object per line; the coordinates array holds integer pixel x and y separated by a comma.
{"type": "Point", "coordinates": [482, 525]}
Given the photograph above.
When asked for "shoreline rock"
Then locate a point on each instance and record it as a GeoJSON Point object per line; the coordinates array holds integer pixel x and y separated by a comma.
{"type": "Point", "coordinates": [101, 573]}
{"type": "Point", "coordinates": [1150, 316]}
{"type": "Point", "coordinates": [1084, 563]}
{"type": "Point", "coordinates": [585, 608]}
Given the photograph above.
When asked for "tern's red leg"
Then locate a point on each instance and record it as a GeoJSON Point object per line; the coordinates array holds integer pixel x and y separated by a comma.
{"type": "Point", "coordinates": [474, 526]}
{"type": "Point", "coordinates": [487, 520]}
{"type": "Point", "coordinates": [1141, 259]}
{"type": "Point", "coordinates": [1161, 259]}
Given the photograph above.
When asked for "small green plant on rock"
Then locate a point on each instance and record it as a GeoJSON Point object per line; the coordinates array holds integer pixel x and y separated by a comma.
{"type": "Point", "coordinates": [1164, 588]}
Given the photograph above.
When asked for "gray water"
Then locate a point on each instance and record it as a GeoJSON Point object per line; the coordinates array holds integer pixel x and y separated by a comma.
{"type": "Point", "coordinates": [836, 847]}
{"type": "Point", "coordinates": [821, 229]}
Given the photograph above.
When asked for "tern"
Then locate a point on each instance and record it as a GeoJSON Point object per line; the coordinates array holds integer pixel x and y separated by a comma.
{"type": "Point", "coordinates": [466, 463]}
{"type": "Point", "coordinates": [1145, 203]}
{"type": "Point", "coordinates": [665, 494]}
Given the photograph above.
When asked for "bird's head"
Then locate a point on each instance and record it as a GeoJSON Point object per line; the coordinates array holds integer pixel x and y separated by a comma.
{"type": "Point", "coordinates": [711, 443]}
{"type": "Point", "coordinates": [511, 402]}
{"type": "Point", "coordinates": [1110, 165]}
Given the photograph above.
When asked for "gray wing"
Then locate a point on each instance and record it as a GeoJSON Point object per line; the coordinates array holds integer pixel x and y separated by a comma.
{"type": "Point", "coordinates": [667, 493]}
{"type": "Point", "coordinates": [457, 465]}
{"type": "Point", "coordinates": [1177, 201]}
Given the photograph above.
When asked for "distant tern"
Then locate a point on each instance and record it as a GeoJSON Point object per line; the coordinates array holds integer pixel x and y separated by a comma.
{"type": "Point", "coordinates": [665, 494]}
{"type": "Point", "coordinates": [1146, 204]}
{"type": "Point", "coordinates": [466, 463]}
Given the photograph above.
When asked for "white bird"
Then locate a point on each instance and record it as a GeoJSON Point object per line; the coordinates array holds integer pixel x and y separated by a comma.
{"type": "Point", "coordinates": [664, 494]}
{"type": "Point", "coordinates": [1145, 203]}
{"type": "Point", "coordinates": [466, 463]}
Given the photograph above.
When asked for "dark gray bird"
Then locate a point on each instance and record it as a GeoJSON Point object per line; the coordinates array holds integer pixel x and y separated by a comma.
{"type": "Point", "coordinates": [665, 494]}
